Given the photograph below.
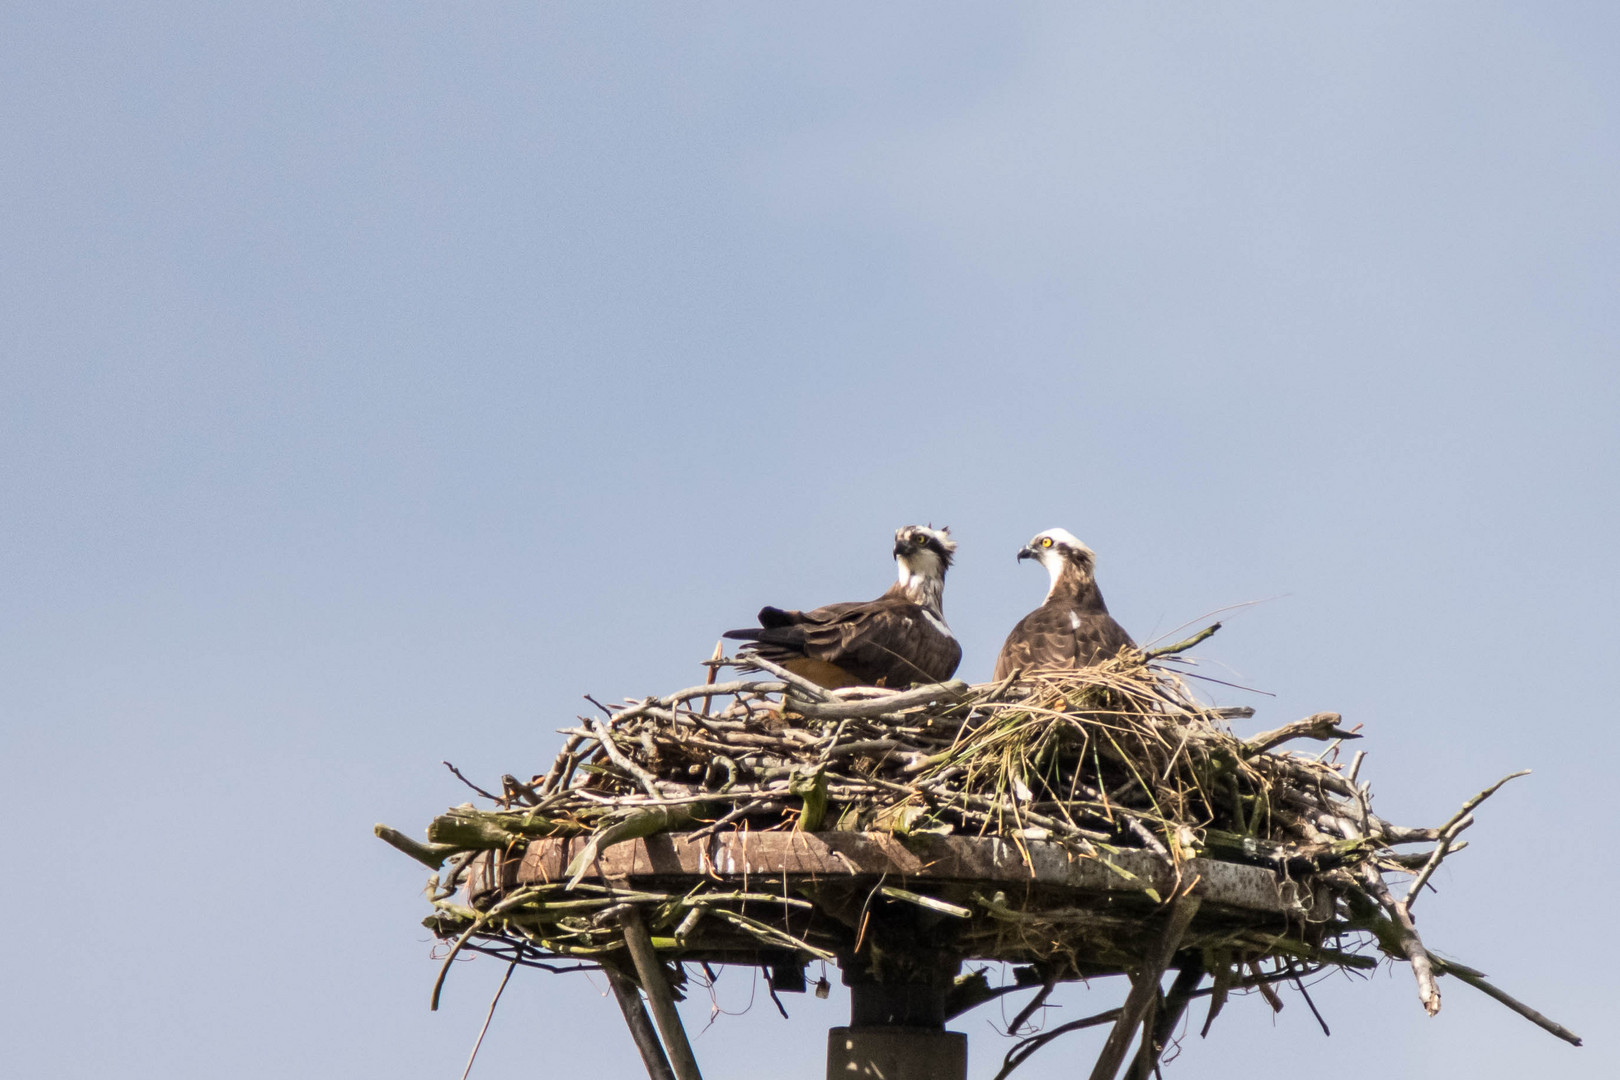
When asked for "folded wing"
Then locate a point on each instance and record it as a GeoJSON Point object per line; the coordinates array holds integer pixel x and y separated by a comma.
{"type": "Point", "coordinates": [889, 641]}
{"type": "Point", "coordinates": [1058, 636]}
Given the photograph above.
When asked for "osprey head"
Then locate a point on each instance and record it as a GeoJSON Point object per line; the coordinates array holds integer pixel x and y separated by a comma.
{"type": "Point", "coordinates": [922, 546]}
{"type": "Point", "coordinates": [924, 554]}
{"type": "Point", "coordinates": [1061, 552]}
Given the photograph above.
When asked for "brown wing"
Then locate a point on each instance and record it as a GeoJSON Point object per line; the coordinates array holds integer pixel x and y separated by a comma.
{"type": "Point", "coordinates": [1061, 636]}
{"type": "Point", "coordinates": [885, 642]}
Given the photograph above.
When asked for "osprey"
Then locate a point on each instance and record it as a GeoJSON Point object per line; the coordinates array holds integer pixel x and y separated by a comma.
{"type": "Point", "coordinates": [898, 639]}
{"type": "Point", "coordinates": [1072, 629]}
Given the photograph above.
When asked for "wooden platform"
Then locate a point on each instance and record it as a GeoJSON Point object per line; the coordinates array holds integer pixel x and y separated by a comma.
{"type": "Point", "coordinates": [761, 859]}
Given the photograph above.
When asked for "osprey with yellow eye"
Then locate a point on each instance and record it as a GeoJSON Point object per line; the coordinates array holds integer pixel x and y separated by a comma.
{"type": "Point", "coordinates": [1072, 628]}
{"type": "Point", "coordinates": [896, 640]}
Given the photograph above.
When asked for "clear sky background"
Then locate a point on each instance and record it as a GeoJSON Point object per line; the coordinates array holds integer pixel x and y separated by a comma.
{"type": "Point", "coordinates": [377, 379]}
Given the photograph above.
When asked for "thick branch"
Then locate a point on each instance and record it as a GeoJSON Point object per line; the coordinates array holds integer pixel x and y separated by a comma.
{"type": "Point", "coordinates": [1144, 989]}
{"type": "Point", "coordinates": [798, 682]}
{"type": "Point", "coordinates": [1410, 943]}
{"type": "Point", "coordinates": [1164, 1026]}
{"type": "Point", "coordinates": [650, 970]}
{"type": "Point", "coordinates": [641, 1029]}
{"type": "Point", "coordinates": [430, 855]}
{"type": "Point", "coordinates": [1322, 727]}
{"type": "Point", "coordinates": [869, 707]}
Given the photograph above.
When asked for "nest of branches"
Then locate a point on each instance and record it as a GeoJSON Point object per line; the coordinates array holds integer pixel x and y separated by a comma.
{"type": "Point", "coordinates": [1132, 832]}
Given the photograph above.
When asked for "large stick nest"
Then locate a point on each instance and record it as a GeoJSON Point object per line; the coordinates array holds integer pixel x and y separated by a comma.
{"type": "Point", "coordinates": [1116, 763]}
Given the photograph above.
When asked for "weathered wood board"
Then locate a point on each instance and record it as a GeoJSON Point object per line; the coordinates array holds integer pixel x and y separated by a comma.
{"type": "Point", "coordinates": [770, 856]}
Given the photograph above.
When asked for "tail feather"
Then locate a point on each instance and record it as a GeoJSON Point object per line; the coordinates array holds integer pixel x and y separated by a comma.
{"type": "Point", "coordinates": [773, 617]}
{"type": "Point", "coordinates": [776, 627]}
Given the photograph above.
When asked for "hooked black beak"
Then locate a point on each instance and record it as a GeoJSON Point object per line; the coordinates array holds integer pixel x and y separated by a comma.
{"type": "Point", "coordinates": [905, 547]}
{"type": "Point", "coordinates": [1026, 552]}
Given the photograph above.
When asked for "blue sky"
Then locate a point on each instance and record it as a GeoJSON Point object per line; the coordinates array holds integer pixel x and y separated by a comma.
{"type": "Point", "coordinates": [378, 380]}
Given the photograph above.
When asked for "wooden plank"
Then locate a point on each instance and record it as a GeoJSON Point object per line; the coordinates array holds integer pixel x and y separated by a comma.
{"type": "Point", "coordinates": [769, 855]}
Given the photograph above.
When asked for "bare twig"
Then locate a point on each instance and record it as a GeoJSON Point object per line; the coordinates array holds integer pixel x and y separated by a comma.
{"type": "Point", "coordinates": [1182, 646]}
{"type": "Point", "coordinates": [648, 782]}
{"type": "Point", "coordinates": [1021, 1052]}
{"type": "Point", "coordinates": [469, 783]}
{"type": "Point", "coordinates": [1299, 985]}
{"type": "Point", "coordinates": [1477, 981]}
{"type": "Point", "coordinates": [1032, 1006]}
{"type": "Point", "coordinates": [499, 990]}
{"type": "Point", "coordinates": [1461, 820]}
{"type": "Point", "coordinates": [519, 897]}
{"type": "Point", "coordinates": [714, 670]}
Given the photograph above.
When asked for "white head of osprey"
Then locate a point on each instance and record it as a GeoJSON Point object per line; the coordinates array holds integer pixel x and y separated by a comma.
{"type": "Point", "coordinates": [1060, 551]}
{"type": "Point", "coordinates": [922, 555]}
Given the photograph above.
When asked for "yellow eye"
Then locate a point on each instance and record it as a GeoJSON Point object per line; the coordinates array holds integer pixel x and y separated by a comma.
{"type": "Point", "coordinates": [1046, 541]}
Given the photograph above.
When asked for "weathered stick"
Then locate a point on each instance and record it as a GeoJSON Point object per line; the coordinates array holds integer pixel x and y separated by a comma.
{"type": "Point", "coordinates": [1144, 989]}
{"type": "Point", "coordinates": [1432, 863]}
{"type": "Point", "coordinates": [954, 690]}
{"type": "Point", "coordinates": [1411, 944]}
{"type": "Point", "coordinates": [1477, 981]}
{"type": "Point", "coordinates": [604, 735]}
{"type": "Point", "coordinates": [799, 682]}
{"type": "Point", "coordinates": [430, 855]}
{"type": "Point", "coordinates": [1182, 646]}
{"type": "Point", "coordinates": [494, 1001]}
{"type": "Point", "coordinates": [641, 1029]}
{"type": "Point", "coordinates": [469, 783]}
{"type": "Point", "coordinates": [1032, 1006]}
{"type": "Point", "coordinates": [1136, 828]}
{"type": "Point", "coordinates": [1322, 726]}
{"type": "Point", "coordinates": [561, 769]}
{"type": "Point", "coordinates": [650, 970]}
{"type": "Point", "coordinates": [1156, 1038]}
{"type": "Point", "coordinates": [1020, 1053]}
{"type": "Point", "coordinates": [714, 670]}
{"type": "Point", "coordinates": [1448, 833]}
{"type": "Point", "coordinates": [512, 901]}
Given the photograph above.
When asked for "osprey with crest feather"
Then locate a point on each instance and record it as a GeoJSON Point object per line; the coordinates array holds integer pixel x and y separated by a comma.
{"type": "Point", "coordinates": [1072, 629]}
{"type": "Point", "coordinates": [896, 640]}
